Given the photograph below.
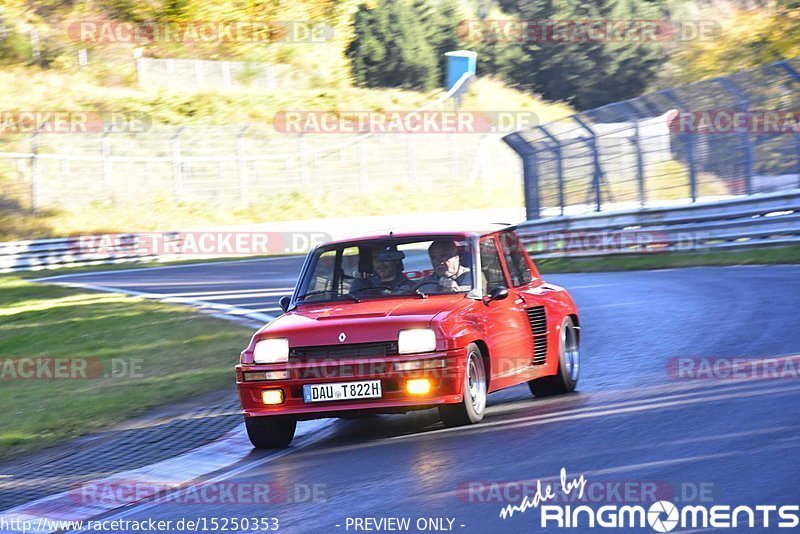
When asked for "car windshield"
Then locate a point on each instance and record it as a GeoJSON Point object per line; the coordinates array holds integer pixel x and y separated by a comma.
{"type": "Point", "coordinates": [388, 267]}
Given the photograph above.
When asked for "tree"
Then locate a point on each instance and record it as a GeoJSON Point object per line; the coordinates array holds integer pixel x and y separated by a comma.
{"type": "Point", "coordinates": [390, 48]}
{"type": "Point", "coordinates": [585, 73]}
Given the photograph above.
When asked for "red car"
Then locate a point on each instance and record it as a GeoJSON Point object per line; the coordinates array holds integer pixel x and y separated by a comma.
{"type": "Point", "coordinates": [400, 322]}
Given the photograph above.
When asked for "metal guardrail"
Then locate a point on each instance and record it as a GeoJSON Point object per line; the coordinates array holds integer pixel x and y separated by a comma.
{"type": "Point", "coordinates": [759, 220]}
{"type": "Point", "coordinates": [771, 219]}
{"type": "Point", "coordinates": [67, 252]}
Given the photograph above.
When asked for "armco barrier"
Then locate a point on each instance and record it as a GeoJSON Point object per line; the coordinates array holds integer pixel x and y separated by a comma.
{"type": "Point", "coordinates": [66, 251]}
{"type": "Point", "coordinates": [756, 220]}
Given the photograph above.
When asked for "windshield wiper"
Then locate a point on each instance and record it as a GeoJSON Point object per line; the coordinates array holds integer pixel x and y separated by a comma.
{"type": "Point", "coordinates": [323, 291]}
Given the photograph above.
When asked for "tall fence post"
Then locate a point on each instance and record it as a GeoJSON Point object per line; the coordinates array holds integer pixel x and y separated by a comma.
{"type": "Point", "coordinates": [687, 140]}
{"type": "Point", "coordinates": [171, 72]}
{"type": "Point", "coordinates": [555, 146]}
{"type": "Point", "coordinates": [688, 144]}
{"type": "Point", "coordinates": [530, 174]}
{"type": "Point", "coordinates": [637, 146]}
{"type": "Point", "coordinates": [597, 171]}
{"type": "Point", "coordinates": [639, 164]}
{"type": "Point", "coordinates": [226, 74]}
{"type": "Point", "coordinates": [108, 177]}
{"type": "Point", "coordinates": [744, 137]}
{"type": "Point", "coordinates": [35, 173]}
{"type": "Point", "coordinates": [304, 177]}
{"type": "Point", "coordinates": [796, 78]}
{"type": "Point", "coordinates": [411, 154]}
{"type": "Point", "coordinates": [199, 73]}
{"type": "Point", "coordinates": [140, 69]}
{"type": "Point", "coordinates": [362, 165]}
{"type": "Point", "coordinates": [244, 195]}
{"type": "Point", "coordinates": [177, 167]}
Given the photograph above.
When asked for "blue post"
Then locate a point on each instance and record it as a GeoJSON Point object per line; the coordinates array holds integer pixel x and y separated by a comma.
{"type": "Point", "coordinates": [597, 171]}
{"type": "Point", "coordinates": [530, 174]}
{"type": "Point", "coordinates": [459, 62]}
{"type": "Point", "coordinates": [556, 147]}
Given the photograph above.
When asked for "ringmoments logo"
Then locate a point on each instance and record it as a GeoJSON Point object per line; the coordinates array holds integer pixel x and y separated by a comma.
{"type": "Point", "coordinates": [660, 516]}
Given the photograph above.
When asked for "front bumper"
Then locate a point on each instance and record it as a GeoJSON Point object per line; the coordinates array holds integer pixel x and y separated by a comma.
{"type": "Point", "coordinates": [447, 385]}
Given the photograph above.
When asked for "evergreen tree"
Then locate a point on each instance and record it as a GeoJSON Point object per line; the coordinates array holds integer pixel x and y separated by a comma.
{"type": "Point", "coordinates": [390, 48]}
{"type": "Point", "coordinates": [587, 74]}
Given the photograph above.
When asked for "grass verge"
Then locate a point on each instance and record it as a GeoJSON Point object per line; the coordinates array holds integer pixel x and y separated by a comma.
{"type": "Point", "coordinates": [759, 256]}
{"type": "Point", "coordinates": [134, 355]}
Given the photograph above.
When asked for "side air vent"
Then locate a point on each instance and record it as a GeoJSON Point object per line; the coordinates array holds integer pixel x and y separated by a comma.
{"type": "Point", "coordinates": [538, 319]}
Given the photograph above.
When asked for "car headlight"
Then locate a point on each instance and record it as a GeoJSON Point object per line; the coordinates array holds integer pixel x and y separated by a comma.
{"type": "Point", "coordinates": [416, 340]}
{"type": "Point", "coordinates": [272, 351]}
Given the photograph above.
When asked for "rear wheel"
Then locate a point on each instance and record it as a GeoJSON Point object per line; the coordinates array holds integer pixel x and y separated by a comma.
{"type": "Point", "coordinates": [566, 377]}
{"type": "Point", "coordinates": [471, 408]}
{"type": "Point", "coordinates": [271, 432]}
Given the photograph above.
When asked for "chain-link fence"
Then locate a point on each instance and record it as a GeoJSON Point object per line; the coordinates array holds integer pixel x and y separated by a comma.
{"type": "Point", "coordinates": [196, 74]}
{"type": "Point", "coordinates": [242, 164]}
{"type": "Point", "coordinates": [728, 136]}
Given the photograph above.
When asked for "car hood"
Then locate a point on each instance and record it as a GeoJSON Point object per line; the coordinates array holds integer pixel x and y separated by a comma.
{"type": "Point", "coordinates": [361, 322]}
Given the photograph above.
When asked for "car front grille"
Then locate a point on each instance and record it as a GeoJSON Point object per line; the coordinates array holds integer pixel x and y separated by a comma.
{"type": "Point", "coordinates": [537, 316]}
{"type": "Point", "coordinates": [351, 350]}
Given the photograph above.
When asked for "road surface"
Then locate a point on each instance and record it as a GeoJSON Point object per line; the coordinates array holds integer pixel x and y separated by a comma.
{"type": "Point", "coordinates": [631, 423]}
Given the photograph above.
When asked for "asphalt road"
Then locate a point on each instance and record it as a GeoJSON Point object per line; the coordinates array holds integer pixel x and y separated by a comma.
{"type": "Point", "coordinates": [630, 422]}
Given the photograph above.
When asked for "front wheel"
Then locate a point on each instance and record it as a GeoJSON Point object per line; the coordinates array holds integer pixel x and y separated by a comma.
{"type": "Point", "coordinates": [471, 408]}
{"type": "Point", "coordinates": [566, 377]}
{"type": "Point", "coordinates": [270, 432]}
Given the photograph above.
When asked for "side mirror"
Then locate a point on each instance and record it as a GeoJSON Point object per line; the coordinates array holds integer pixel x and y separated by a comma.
{"type": "Point", "coordinates": [284, 303]}
{"type": "Point", "coordinates": [498, 293]}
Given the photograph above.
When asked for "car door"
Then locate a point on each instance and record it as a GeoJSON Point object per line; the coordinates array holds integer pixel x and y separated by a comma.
{"type": "Point", "coordinates": [530, 289]}
{"type": "Point", "coordinates": [505, 321]}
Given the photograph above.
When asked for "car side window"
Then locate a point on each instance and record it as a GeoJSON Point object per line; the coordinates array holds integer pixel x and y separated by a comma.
{"type": "Point", "coordinates": [325, 276]}
{"type": "Point", "coordinates": [490, 266]}
{"type": "Point", "coordinates": [514, 255]}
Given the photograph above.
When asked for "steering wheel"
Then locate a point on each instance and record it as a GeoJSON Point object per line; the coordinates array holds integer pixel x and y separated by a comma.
{"type": "Point", "coordinates": [423, 283]}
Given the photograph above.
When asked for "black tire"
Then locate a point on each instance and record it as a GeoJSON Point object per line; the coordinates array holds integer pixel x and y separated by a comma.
{"type": "Point", "coordinates": [471, 408]}
{"type": "Point", "coordinates": [270, 432]}
{"type": "Point", "coordinates": [566, 377]}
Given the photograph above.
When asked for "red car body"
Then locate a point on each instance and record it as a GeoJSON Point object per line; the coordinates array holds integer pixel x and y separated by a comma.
{"type": "Point", "coordinates": [518, 336]}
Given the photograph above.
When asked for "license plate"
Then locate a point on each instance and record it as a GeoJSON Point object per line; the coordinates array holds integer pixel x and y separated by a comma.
{"type": "Point", "coordinates": [366, 389]}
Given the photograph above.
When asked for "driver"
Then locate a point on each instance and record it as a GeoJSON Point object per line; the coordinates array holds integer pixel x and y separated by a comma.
{"type": "Point", "coordinates": [387, 272]}
{"type": "Point", "coordinates": [448, 273]}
